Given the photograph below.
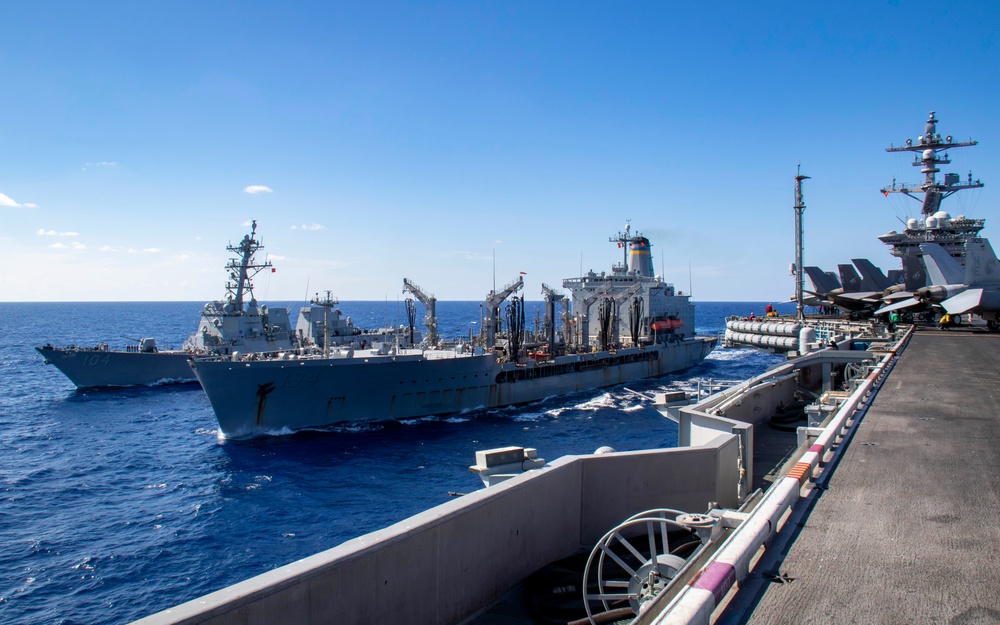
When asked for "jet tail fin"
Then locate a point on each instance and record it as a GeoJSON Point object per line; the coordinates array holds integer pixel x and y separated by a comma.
{"type": "Point", "coordinates": [914, 272]}
{"type": "Point", "coordinates": [981, 266]}
{"type": "Point", "coordinates": [849, 278]}
{"type": "Point", "coordinates": [872, 278]}
{"type": "Point", "coordinates": [822, 282]}
{"type": "Point", "coordinates": [941, 268]}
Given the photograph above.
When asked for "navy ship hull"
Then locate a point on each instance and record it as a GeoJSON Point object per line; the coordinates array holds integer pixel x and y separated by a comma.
{"type": "Point", "coordinates": [88, 368]}
{"type": "Point", "coordinates": [260, 396]}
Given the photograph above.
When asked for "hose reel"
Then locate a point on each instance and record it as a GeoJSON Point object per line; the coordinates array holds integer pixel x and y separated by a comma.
{"type": "Point", "coordinates": [637, 560]}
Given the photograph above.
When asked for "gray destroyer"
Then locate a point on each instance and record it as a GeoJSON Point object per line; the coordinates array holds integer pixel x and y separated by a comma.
{"type": "Point", "coordinates": [626, 325]}
{"type": "Point", "coordinates": [236, 324]}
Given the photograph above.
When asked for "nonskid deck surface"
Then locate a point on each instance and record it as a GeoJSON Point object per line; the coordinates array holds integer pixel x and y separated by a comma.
{"type": "Point", "coordinates": [907, 531]}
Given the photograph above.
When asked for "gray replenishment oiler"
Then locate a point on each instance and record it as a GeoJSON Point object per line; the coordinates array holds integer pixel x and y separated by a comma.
{"type": "Point", "coordinates": [236, 324]}
{"type": "Point", "coordinates": [626, 325]}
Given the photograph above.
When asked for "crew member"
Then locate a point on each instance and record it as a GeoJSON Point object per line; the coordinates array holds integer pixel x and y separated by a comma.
{"type": "Point", "coordinates": [945, 321]}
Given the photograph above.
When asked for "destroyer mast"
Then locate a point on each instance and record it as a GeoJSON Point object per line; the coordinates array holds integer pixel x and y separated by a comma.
{"type": "Point", "coordinates": [243, 269]}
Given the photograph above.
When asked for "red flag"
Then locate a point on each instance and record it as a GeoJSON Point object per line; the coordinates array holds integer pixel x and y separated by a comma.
{"type": "Point", "coordinates": [523, 273]}
{"type": "Point", "coordinates": [273, 269]}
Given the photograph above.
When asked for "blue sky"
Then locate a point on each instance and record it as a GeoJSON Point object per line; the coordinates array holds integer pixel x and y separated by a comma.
{"type": "Point", "coordinates": [419, 139]}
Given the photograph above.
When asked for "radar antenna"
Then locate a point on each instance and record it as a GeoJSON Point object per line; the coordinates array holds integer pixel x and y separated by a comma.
{"type": "Point", "coordinates": [929, 146]}
{"type": "Point", "coordinates": [243, 269]}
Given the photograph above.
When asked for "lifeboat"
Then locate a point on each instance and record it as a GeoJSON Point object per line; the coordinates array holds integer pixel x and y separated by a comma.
{"type": "Point", "coordinates": [667, 325]}
{"type": "Point", "coordinates": [540, 355]}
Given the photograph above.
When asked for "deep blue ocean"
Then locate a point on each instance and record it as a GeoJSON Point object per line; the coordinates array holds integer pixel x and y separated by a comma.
{"type": "Point", "coordinates": [117, 504]}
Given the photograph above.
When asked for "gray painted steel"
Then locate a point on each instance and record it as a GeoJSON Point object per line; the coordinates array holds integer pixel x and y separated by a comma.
{"type": "Point", "coordinates": [258, 396]}
{"type": "Point", "coordinates": [643, 328]}
{"type": "Point", "coordinates": [93, 367]}
{"type": "Point", "coordinates": [908, 531]}
{"type": "Point", "coordinates": [443, 565]}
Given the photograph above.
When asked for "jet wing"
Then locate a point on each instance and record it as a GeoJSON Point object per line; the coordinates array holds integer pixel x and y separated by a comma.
{"type": "Point", "coordinates": [963, 302]}
{"type": "Point", "coordinates": [907, 303]}
{"type": "Point", "coordinates": [897, 295]}
{"type": "Point", "coordinates": [874, 296]}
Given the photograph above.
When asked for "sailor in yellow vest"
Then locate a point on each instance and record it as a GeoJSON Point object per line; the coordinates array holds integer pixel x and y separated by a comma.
{"type": "Point", "coordinates": [945, 322]}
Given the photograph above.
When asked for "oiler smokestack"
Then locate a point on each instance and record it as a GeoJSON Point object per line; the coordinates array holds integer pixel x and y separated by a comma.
{"type": "Point", "coordinates": [640, 258]}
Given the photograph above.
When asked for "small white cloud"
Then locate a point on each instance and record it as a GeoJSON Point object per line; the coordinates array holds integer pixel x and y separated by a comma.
{"type": "Point", "coordinates": [309, 227]}
{"type": "Point", "coordinates": [254, 189]}
{"type": "Point", "coordinates": [151, 250]}
{"type": "Point", "coordinates": [132, 250]}
{"type": "Point", "coordinates": [86, 166]}
{"type": "Point", "coordinates": [76, 245]}
{"type": "Point", "coordinates": [42, 232]}
{"type": "Point", "coordinates": [107, 248]}
{"type": "Point", "coordinates": [6, 201]}
{"type": "Point", "coordinates": [182, 256]}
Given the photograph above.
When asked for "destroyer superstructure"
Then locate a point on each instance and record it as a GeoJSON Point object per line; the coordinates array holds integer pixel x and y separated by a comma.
{"type": "Point", "coordinates": [236, 324]}
{"type": "Point", "coordinates": [504, 366]}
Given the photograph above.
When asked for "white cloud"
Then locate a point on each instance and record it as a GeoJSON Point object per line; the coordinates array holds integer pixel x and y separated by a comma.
{"type": "Point", "coordinates": [100, 164]}
{"type": "Point", "coordinates": [6, 201]}
{"type": "Point", "coordinates": [309, 227]}
{"type": "Point", "coordinates": [42, 232]}
{"type": "Point", "coordinates": [151, 250]}
{"type": "Point", "coordinates": [254, 189]}
{"type": "Point", "coordinates": [76, 245]}
{"type": "Point", "coordinates": [107, 248]}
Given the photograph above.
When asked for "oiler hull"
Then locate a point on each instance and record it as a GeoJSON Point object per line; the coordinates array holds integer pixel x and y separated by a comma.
{"type": "Point", "coordinates": [88, 368]}
{"type": "Point", "coordinates": [270, 396]}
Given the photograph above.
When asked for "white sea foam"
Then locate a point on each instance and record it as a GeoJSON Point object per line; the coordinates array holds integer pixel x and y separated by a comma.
{"type": "Point", "coordinates": [597, 403]}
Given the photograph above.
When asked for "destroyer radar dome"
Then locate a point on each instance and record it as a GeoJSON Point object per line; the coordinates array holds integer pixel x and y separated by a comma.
{"type": "Point", "coordinates": [911, 223]}
{"type": "Point", "coordinates": [928, 155]}
{"type": "Point", "coordinates": [943, 218]}
{"type": "Point", "coordinates": [932, 222]}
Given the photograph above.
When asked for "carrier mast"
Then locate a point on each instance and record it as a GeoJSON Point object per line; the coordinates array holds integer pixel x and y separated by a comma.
{"type": "Point", "coordinates": [930, 145]}
{"type": "Point", "coordinates": [934, 225]}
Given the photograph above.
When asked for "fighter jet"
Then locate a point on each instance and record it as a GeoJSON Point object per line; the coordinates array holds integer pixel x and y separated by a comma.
{"type": "Point", "coordinates": [974, 289]}
{"type": "Point", "coordinates": [845, 293]}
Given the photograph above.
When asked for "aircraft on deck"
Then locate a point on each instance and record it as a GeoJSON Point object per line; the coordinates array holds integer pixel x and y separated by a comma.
{"type": "Point", "coordinates": [972, 289]}
{"type": "Point", "coordinates": [858, 294]}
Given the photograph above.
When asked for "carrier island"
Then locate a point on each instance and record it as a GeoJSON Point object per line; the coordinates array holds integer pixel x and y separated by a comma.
{"type": "Point", "coordinates": [622, 326]}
